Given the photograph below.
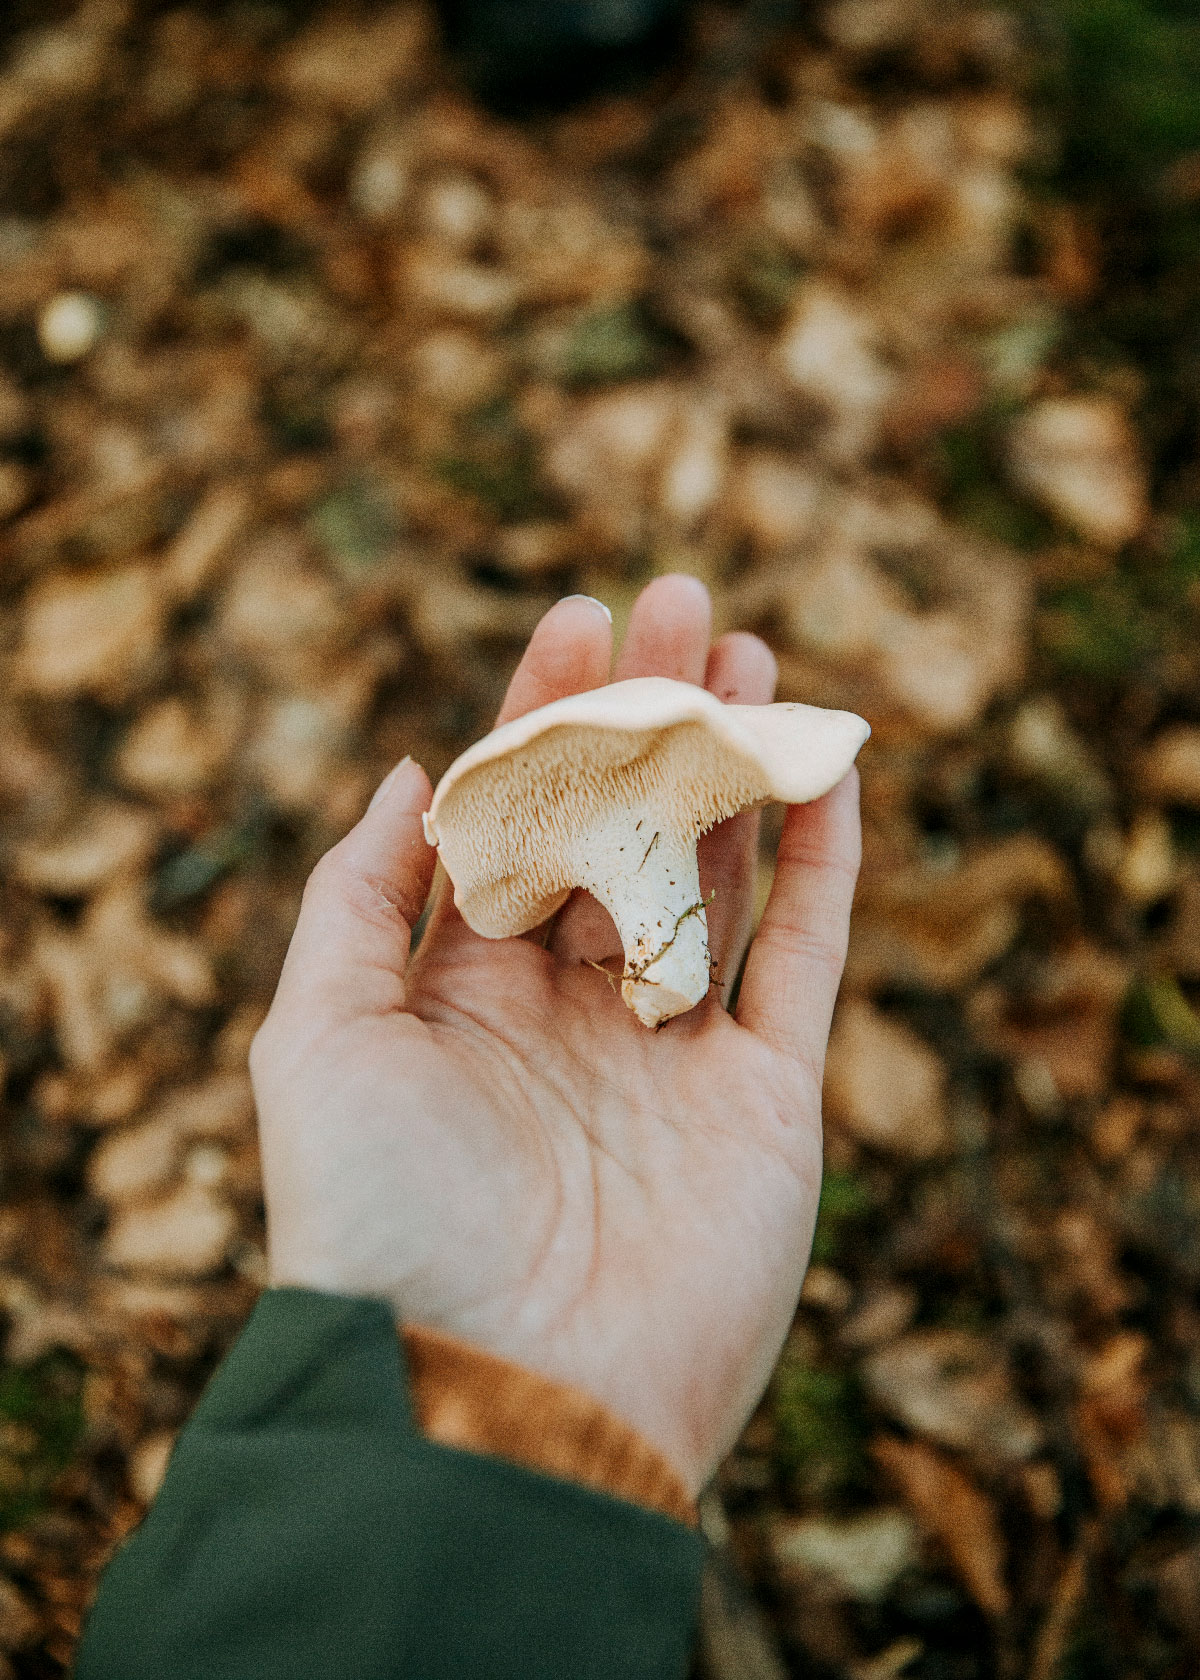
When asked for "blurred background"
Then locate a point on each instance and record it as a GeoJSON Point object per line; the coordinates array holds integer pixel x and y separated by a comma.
{"type": "Point", "coordinates": [321, 381]}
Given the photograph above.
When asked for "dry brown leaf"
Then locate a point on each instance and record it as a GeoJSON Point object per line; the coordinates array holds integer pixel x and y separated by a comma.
{"type": "Point", "coordinates": [59, 63]}
{"type": "Point", "coordinates": [1089, 1261]}
{"type": "Point", "coordinates": [953, 1387]}
{"type": "Point", "coordinates": [1111, 1414]}
{"type": "Point", "coordinates": [776, 499]}
{"type": "Point", "coordinates": [1080, 459]}
{"type": "Point", "coordinates": [915, 619]}
{"type": "Point", "coordinates": [38, 1323]}
{"type": "Point", "coordinates": [607, 455]}
{"type": "Point", "coordinates": [176, 748]}
{"type": "Point", "coordinates": [1065, 1020]}
{"type": "Point", "coordinates": [105, 839]}
{"type": "Point", "coordinates": [885, 1086]}
{"type": "Point", "coordinates": [951, 1508]}
{"type": "Point", "coordinates": [830, 353]}
{"type": "Point", "coordinates": [135, 1162]}
{"type": "Point", "coordinates": [888, 174]}
{"type": "Point", "coordinates": [448, 287]}
{"type": "Point", "coordinates": [187, 1235]}
{"type": "Point", "coordinates": [192, 559]}
{"type": "Point", "coordinates": [112, 974]}
{"type": "Point", "coordinates": [884, 1313]}
{"type": "Point", "coordinates": [456, 370]}
{"type": "Point", "coordinates": [221, 1106]}
{"type": "Point", "coordinates": [1170, 769]}
{"type": "Point", "coordinates": [281, 613]}
{"type": "Point", "coordinates": [567, 253]}
{"type": "Point", "coordinates": [860, 1556]}
{"type": "Point", "coordinates": [940, 927]}
{"type": "Point", "coordinates": [148, 1464]}
{"type": "Point", "coordinates": [354, 69]}
{"type": "Point", "coordinates": [91, 634]}
{"type": "Point", "coordinates": [20, 1624]}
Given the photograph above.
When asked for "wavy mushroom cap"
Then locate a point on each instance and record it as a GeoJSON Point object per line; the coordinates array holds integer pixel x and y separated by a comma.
{"type": "Point", "coordinates": [514, 816]}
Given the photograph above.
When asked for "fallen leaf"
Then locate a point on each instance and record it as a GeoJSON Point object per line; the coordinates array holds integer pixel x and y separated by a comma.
{"type": "Point", "coordinates": [91, 634]}
{"type": "Point", "coordinates": [1065, 1017]}
{"type": "Point", "coordinates": [939, 928]}
{"type": "Point", "coordinates": [186, 1235]}
{"type": "Point", "coordinates": [148, 1464]}
{"type": "Point", "coordinates": [104, 840]}
{"type": "Point", "coordinates": [885, 1086]}
{"type": "Point", "coordinates": [829, 351]}
{"type": "Point", "coordinates": [860, 1556]}
{"type": "Point", "coordinates": [1078, 457]}
{"type": "Point", "coordinates": [953, 1387]}
{"type": "Point", "coordinates": [1170, 769]}
{"type": "Point", "coordinates": [951, 1508]}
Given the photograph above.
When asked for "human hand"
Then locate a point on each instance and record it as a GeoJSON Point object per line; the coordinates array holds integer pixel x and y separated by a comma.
{"type": "Point", "coordinates": [483, 1134]}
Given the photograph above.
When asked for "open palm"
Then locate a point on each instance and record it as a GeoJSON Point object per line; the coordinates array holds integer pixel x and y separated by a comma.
{"type": "Point", "coordinates": [485, 1136]}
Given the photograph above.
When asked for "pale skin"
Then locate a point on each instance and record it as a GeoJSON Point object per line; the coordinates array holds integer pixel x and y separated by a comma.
{"type": "Point", "coordinates": [480, 1133]}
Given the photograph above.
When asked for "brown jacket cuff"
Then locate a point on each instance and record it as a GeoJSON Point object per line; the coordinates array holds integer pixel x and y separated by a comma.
{"type": "Point", "coordinates": [464, 1397]}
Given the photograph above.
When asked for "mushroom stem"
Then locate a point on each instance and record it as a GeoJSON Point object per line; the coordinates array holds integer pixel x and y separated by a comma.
{"type": "Point", "coordinates": [647, 879]}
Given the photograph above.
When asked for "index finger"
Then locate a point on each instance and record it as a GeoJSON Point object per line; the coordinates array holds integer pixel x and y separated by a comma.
{"type": "Point", "coordinates": [795, 963]}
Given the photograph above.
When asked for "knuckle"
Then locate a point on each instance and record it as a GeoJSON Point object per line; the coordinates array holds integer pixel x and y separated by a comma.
{"type": "Point", "coordinates": [820, 859]}
{"type": "Point", "coordinates": [375, 898]}
{"type": "Point", "coordinates": [326, 874]}
{"type": "Point", "coordinates": [791, 940]}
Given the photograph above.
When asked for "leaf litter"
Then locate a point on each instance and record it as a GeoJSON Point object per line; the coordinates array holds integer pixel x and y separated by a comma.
{"type": "Point", "coordinates": [319, 384]}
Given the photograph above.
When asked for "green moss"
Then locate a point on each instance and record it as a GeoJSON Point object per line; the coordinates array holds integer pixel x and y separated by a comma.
{"type": "Point", "coordinates": [1126, 82]}
{"type": "Point", "coordinates": [844, 1201]}
{"type": "Point", "coordinates": [820, 1431]}
{"type": "Point", "coordinates": [1157, 1012]}
{"type": "Point", "coordinates": [765, 281]}
{"type": "Point", "coordinates": [41, 1424]}
{"type": "Point", "coordinates": [187, 875]}
{"type": "Point", "coordinates": [604, 346]}
{"type": "Point", "coordinates": [495, 464]}
{"type": "Point", "coordinates": [1099, 630]}
{"type": "Point", "coordinates": [975, 493]}
{"type": "Point", "coordinates": [1131, 622]}
{"type": "Point", "coordinates": [355, 526]}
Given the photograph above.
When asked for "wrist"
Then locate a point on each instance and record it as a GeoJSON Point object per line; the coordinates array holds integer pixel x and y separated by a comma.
{"type": "Point", "coordinates": [476, 1401]}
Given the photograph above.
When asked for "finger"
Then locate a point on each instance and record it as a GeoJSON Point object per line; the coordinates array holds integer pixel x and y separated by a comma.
{"type": "Point", "coordinates": [668, 636]}
{"type": "Point", "coordinates": [741, 671]}
{"type": "Point", "coordinates": [796, 960]}
{"type": "Point", "coordinates": [351, 941]}
{"type": "Point", "coordinates": [568, 653]}
{"type": "Point", "coordinates": [669, 631]}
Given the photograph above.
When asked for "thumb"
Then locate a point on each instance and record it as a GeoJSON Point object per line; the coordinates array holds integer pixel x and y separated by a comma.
{"type": "Point", "coordinates": [352, 939]}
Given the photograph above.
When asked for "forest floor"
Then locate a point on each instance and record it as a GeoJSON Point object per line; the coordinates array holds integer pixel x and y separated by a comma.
{"type": "Point", "coordinates": [319, 385]}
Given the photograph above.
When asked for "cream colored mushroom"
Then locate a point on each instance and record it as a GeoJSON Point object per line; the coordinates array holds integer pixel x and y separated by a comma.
{"type": "Point", "coordinates": [610, 790]}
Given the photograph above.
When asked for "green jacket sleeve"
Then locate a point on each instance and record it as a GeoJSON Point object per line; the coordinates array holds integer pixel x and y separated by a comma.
{"type": "Point", "coordinates": [306, 1531]}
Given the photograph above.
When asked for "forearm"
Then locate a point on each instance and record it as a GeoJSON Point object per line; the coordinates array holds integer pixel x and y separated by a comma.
{"type": "Point", "coordinates": [307, 1525]}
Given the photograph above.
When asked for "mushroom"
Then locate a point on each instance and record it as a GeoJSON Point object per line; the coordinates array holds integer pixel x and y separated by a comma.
{"type": "Point", "coordinates": [609, 790]}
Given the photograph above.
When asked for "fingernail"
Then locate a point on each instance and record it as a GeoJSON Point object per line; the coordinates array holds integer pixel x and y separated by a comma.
{"type": "Point", "coordinates": [593, 602]}
{"type": "Point", "coordinates": [386, 783]}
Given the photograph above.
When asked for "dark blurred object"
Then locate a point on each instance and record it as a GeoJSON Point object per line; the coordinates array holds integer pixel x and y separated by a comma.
{"type": "Point", "coordinates": [530, 55]}
{"type": "Point", "coordinates": [1122, 85]}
